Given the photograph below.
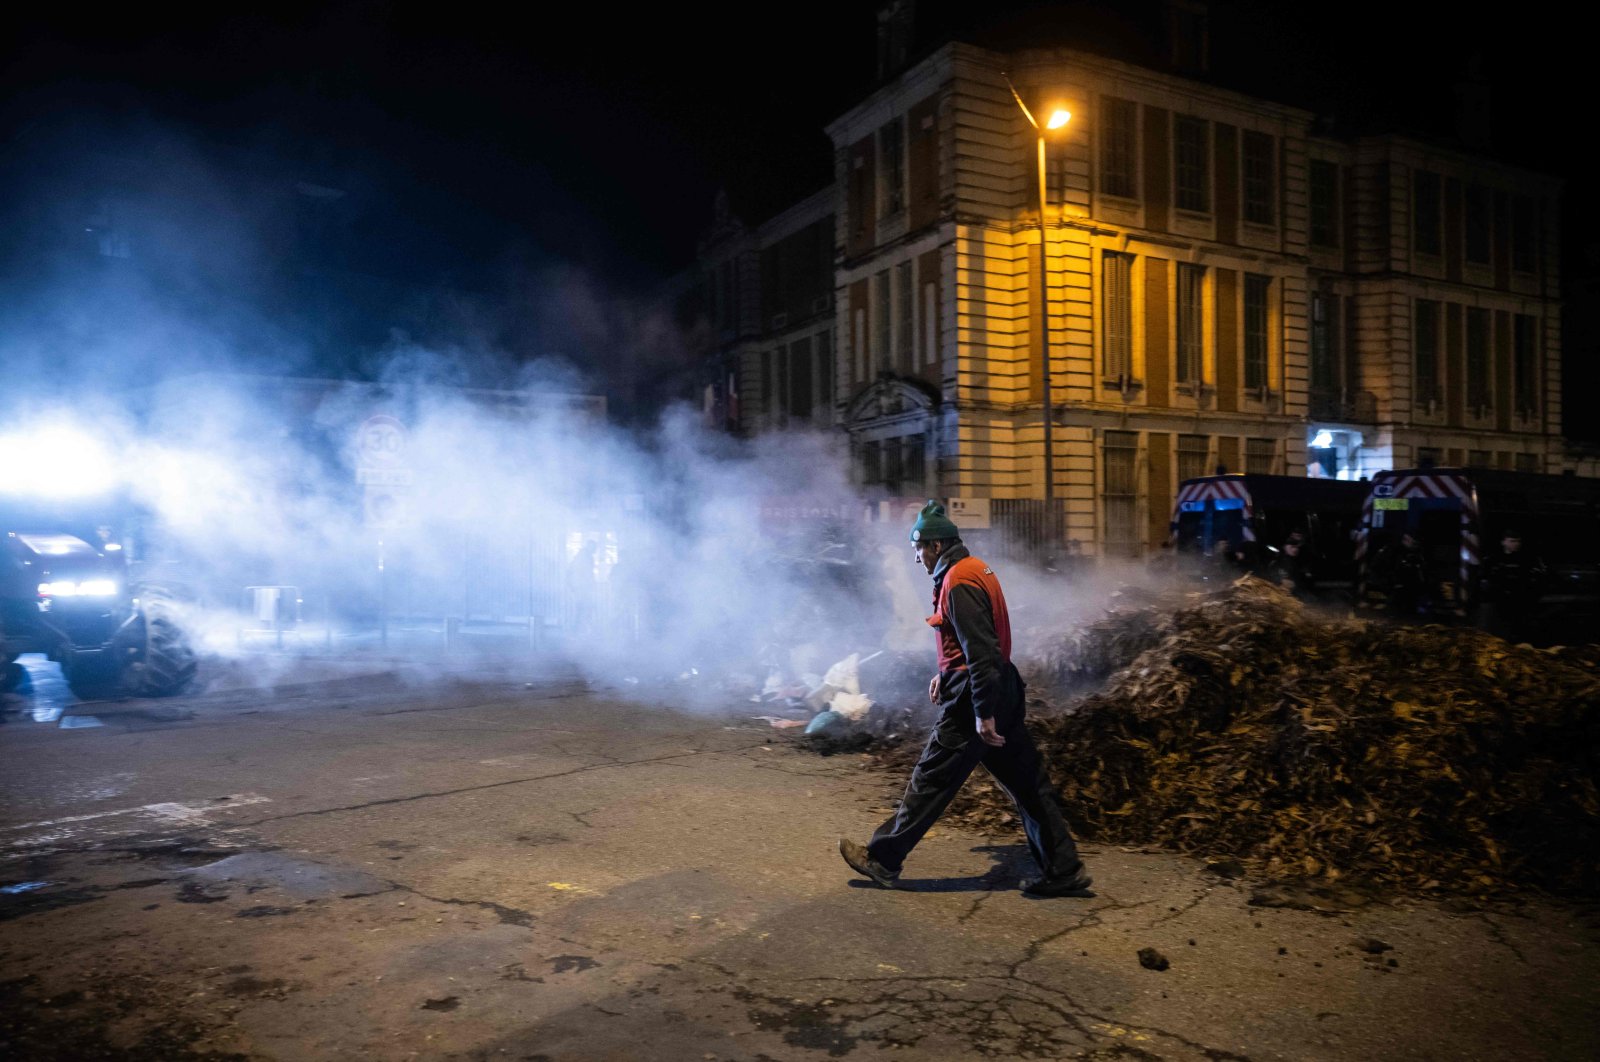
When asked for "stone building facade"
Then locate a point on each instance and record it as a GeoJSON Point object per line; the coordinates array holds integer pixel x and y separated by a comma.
{"type": "Point", "coordinates": [1224, 287]}
{"type": "Point", "coordinates": [765, 298]}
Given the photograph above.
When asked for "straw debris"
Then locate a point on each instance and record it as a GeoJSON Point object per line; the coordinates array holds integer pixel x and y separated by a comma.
{"type": "Point", "coordinates": [1317, 750]}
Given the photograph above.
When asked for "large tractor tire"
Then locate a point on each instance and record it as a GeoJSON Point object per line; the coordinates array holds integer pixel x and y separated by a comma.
{"type": "Point", "coordinates": [163, 663]}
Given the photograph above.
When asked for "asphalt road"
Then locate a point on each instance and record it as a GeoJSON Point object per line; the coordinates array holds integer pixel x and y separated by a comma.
{"type": "Point", "coordinates": [507, 863]}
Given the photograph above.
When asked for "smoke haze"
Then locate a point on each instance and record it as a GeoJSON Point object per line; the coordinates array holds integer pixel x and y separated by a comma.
{"type": "Point", "coordinates": [467, 492]}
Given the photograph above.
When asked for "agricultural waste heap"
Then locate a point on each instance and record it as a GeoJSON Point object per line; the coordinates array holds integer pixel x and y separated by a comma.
{"type": "Point", "coordinates": [1315, 749]}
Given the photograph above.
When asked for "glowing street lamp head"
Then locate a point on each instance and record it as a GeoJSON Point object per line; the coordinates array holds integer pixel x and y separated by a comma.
{"type": "Point", "coordinates": [1058, 118]}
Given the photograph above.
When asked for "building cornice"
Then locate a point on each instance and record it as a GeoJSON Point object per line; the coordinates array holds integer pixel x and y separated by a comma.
{"type": "Point", "coordinates": [810, 210]}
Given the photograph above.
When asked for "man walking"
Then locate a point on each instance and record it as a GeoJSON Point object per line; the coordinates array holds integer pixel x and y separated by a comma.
{"type": "Point", "coordinates": [980, 695]}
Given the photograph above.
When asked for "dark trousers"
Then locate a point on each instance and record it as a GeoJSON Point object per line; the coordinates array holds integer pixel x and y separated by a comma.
{"type": "Point", "coordinates": [937, 778]}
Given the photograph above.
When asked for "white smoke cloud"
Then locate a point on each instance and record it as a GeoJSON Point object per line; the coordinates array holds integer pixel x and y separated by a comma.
{"type": "Point", "coordinates": [711, 556]}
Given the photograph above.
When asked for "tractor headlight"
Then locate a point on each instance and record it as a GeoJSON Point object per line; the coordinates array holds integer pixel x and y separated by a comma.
{"type": "Point", "coordinates": [85, 588]}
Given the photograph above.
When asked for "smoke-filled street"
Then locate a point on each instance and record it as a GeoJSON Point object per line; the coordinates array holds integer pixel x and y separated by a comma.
{"type": "Point", "coordinates": [358, 860]}
{"type": "Point", "coordinates": [1043, 529]}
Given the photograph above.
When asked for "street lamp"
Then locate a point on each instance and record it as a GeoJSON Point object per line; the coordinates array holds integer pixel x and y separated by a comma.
{"type": "Point", "coordinates": [1058, 119]}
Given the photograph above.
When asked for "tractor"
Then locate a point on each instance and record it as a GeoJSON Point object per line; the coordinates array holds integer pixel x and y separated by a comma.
{"type": "Point", "coordinates": [66, 592]}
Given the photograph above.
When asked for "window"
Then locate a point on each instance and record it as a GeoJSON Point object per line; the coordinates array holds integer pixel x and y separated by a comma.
{"type": "Point", "coordinates": [1324, 203]}
{"type": "Point", "coordinates": [1525, 365]}
{"type": "Point", "coordinates": [1120, 497]}
{"type": "Point", "coordinates": [904, 333]}
{"type": "Point", "coordinates": [1478, 458]}
{"type": "Point", "coordinates": [930, 323]}
{"type": "Point", "coordinates": [860, 204]}
{"type": "Point", "coordinates": [1429, 456]}
{"type": "Point", "coordinates": [1324, 323]}
{"type": "Point", "coordinates": [801, 395]}
{"type": "Point", "coordinates": [1522, 234]}
{"type": "Point", "coordinates": [863, 361]}
{"type": "Point", "coordinates": [1260, 456]}
{"type": "Point", "coordinates": [1426, 339]}
{"type": "Point", "coordinates": [1477, 224]}
{"type": "Point", "coordinates": [1326, 400]}
{"type": "Point", "coordinates": [1191, 282]}
{"type": "Point", "coordinates": [1192, 165]}
{"type": "Point", "coordinates": [1425, 212]}
{"type": "Point", "coordinates": [825, 369]}
{"type": "Point", "coordinates": [768, 370]}
{"type": "Point", "coordinates": [1119, 171]}
{"type": "Point", "coordinates": [1257, 290]}
{"type": "Point", "coordinates": [912, 464]}
{"type": "Point", "coordinates": [891, 149]}
{"type": "Point", "coordinates": [1116, 281]}
{"type": "Point", "coordinates": [882, 352]}
{"type": "Point", "coordinates": [1260, 182]}
{"type": "Point", "coordinates": [1477, 361]}
{"type": "Point", "coordinates": [1527, 462]}
{"type": "Point", "coordinates": [871, 463]}
{"type": "Point", "coordinates": [1192, 453]}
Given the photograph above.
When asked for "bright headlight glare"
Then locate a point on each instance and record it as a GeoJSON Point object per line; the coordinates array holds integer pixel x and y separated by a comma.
{"type": "Point", "coordinates": [87, 588]}
{"type": "Point", "coordinates": [57, 461]}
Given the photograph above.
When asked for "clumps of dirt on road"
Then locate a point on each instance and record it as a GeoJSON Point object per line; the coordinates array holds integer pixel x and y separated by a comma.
{"type": "Point", "coordinates": [1315, 749]}
{"type": "Point", "coordinates": [77, 1025]}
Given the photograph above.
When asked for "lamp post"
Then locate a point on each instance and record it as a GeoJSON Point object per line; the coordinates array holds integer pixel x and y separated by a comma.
{"type": "Point", "coordinates": [1058, 119]}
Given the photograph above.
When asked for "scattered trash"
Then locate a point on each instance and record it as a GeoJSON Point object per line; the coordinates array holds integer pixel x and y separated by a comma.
{"type": "Point", "coordinates": [823, 721]}
{"type": "Point", "coordinates": [859, 702]}
{"type": "Point", "coordinates": [778, 722]}
{"type": "Point", "coordinates": [851, 706]}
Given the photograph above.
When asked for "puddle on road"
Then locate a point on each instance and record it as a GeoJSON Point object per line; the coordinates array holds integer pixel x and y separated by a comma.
{"type": "Point", "coordinates": [24, 886]}
{"type": "Point", "coordinates": [299, 878]}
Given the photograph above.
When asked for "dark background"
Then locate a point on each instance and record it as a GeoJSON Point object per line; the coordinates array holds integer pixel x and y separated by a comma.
{"type": "Point", "coordinates": [472, 144]}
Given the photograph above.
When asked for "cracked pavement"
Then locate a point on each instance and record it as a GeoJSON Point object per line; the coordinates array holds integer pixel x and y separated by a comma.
{"type": "Point", "coordinates": [516, 866]}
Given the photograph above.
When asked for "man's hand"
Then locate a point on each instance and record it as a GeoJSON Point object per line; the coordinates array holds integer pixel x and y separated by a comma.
{"type": "Point", "coordinates": [990, 733]}
{"type": "Point", "coordinates": [933, 690]}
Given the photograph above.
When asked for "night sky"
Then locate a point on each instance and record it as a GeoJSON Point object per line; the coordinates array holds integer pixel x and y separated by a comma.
{"type": "Point", "coordinates": [480, 139]}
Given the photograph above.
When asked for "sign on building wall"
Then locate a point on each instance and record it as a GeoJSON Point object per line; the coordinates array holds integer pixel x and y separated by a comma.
{"type": "Point", "coordinates": [970, 513]}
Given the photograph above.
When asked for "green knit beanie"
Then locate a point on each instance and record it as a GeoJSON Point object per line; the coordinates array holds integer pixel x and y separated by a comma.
{"type": "Point", "coordinates": [932, 523]}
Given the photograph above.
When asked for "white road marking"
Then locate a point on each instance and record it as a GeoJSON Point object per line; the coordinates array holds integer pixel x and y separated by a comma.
{"type": "Point", "coordinates": [191, 813]}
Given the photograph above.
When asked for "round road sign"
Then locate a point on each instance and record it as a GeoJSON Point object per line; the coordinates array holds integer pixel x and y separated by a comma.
{"type": "Point", "coordinates": [381, 440]}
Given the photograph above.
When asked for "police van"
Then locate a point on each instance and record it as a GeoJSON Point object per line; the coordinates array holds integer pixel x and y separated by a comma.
{"type": "Point", "coordinates": [1255, 514]}
{"type": "Point", "coordinates": [1457, 518]}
